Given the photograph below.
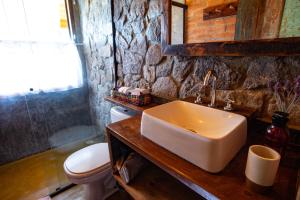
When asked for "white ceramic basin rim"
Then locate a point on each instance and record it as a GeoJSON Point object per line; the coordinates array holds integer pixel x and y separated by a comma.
{"type": "Point", "coordinates": [207, 137]}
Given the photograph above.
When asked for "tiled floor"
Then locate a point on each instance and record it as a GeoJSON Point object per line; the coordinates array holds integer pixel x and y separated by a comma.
{"type": "Point", "coordinates": [35, 176]}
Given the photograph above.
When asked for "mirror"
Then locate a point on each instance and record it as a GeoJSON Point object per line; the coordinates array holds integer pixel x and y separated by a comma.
{"type": "Point", "coordinates": [202, 21]}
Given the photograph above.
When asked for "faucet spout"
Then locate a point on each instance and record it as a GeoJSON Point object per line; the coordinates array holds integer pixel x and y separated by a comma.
{"type": "Point", "coordinates": [208, 75]}
{"type": "Point", "coordinates": [213, 74]}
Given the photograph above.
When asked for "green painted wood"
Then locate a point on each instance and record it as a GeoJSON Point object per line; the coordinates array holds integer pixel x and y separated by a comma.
{"type": "Point", "coordinates": [290, 25]}
{"type": "Point", "coordinates": [249, 12]}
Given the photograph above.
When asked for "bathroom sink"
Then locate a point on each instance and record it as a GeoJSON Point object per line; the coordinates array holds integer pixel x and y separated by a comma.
{"type": "Point", "coordinates": [207, 137]}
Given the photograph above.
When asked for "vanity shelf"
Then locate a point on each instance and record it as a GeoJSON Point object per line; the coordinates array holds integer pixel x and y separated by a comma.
{"type": "Point", "coordinates": [128, 105]}
{"type": "Point", "coordinates": [247, 112]}
{"type": "Point", "coordinates": [268, 120]}
{"type": "Point", "coordinates": [228, 184]}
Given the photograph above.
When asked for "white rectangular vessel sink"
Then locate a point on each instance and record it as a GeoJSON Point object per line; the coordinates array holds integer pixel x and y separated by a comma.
{"type": "Point", "coordinates": [207, 137]}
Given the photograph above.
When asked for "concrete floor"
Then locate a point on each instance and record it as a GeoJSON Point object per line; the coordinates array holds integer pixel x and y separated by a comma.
{"type": "Point", "coordinates": [38, 175]}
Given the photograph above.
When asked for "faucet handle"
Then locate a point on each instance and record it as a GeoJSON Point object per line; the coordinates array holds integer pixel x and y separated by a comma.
{"type": "Point", "coordinates": [228, 100]}
{"type": "Point", "coordinates": [229, 106]}
{"type": "Point", "coordinates": [199, 99]}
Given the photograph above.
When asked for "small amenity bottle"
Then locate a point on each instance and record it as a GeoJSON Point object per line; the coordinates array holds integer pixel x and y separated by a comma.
{"type": "Point", "coordinates": [277, 135]}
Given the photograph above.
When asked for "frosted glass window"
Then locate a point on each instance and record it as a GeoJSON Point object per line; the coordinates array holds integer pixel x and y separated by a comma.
{"type": "Point", "coordinates": [36, 49]}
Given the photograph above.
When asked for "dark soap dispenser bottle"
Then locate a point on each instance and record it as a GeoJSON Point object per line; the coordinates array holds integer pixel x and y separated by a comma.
{"type": "Point", "coordinates": [277, 135]}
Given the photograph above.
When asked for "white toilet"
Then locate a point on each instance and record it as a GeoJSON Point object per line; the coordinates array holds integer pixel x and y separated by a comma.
{"type": "Point", "coordinates": [91, 165]}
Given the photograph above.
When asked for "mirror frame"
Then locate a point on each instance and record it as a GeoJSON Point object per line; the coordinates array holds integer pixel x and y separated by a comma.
{"type": "Point", "coordinates": [270, 47]}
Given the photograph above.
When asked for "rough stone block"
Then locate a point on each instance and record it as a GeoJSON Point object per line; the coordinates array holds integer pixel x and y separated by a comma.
{"type": "Point", "coordinates": [105, 51]}
{"type": "Point", "coordinates": [165, 87]}
{"type": "Point", "coordinates": [165, 68]}
{"type": "Point", "coordinates": [153, 31]}
{"type": "Point", "coordinates": [154, 56]}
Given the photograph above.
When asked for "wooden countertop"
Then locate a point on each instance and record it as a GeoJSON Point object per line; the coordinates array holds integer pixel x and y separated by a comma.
{"type": "Point", "coordinates": [228, 184]}
{"type": "Point", "coordinates": [291, 126]}
{"type": "Point", "coordinates": [247, 112]}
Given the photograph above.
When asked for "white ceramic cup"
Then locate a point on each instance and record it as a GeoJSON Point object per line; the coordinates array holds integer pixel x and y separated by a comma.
{"type": "Point", "coordinates": [262, 165]}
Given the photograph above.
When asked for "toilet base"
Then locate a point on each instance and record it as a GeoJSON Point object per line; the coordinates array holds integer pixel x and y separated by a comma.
{"type": "Point", "coordinates": [101, 189]}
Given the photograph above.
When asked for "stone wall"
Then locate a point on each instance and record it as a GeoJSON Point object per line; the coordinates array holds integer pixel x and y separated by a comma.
{"type": "Point", "coordinates": [96, 26]}
{"type": "Point", "coordinates": [140, 63]}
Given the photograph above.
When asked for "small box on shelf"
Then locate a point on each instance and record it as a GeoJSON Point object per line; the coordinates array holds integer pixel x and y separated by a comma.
{"type": "Point", "coordinates": [138, 100]}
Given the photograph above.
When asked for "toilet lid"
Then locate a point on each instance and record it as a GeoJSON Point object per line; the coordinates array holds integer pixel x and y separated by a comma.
{"type": "Point", "coordinates": [88, 158]}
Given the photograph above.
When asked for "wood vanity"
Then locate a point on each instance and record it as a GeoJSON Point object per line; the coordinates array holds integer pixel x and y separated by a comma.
{"type": "Point", "coordinates": [170, 177]}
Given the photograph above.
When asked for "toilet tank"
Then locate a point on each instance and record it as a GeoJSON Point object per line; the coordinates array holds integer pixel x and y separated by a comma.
{"type": "Point", "coordinates": [119, 113]}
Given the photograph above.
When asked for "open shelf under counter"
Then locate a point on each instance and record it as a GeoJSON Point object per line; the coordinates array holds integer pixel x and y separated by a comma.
{"type": "Point", "coordinates": [228, 184]}
{"type": "Point", "coordinates": [154, 184]}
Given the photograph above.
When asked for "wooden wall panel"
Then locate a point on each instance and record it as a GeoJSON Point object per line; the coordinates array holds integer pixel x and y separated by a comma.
{"type": "Point", "coordinates": [247, 18]}
{"type": "Point", "coordinates": [262, 19]}
{"type": "Point", "coordinates": [271, 19]}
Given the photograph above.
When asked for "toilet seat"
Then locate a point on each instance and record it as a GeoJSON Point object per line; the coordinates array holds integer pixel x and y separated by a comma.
{"type": "Point", "coordinates": [90, 162]}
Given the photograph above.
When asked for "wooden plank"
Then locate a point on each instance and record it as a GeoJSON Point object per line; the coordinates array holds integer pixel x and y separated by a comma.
{"type": "Point", "coordinates": [154, 184]}
{"type": "Point", "coordinates": [270, 47]}
{"type": "Point", "coordinates": [166, 6]}
{"type": "Point", "coordinates": [290, 25]}
{"type": "Point", "coordinates": [271, 19]}
{"type": "Point", "coordinates": [228, 184]}
{"type": "Point", "coordinates": [291, 126]}
{"type": "Point", "coordinates": [181, 5]}
{"type": "Point", "coordinates": [247, 19]}
{"type": "Point", "coordinates": [219, 11]}
{"type": "Point", "coordinates": [128, 105]}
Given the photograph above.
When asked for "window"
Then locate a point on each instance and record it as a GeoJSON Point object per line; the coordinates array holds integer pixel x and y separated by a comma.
{"type": "Point", "coordinates": [178, 21]}
{"type": "Point", "coordinates": [36, 50]}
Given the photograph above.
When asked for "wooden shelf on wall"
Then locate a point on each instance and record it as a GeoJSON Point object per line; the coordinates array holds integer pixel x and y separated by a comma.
{"type": "Point", "coordinates": [128, 105]}
{"type": "Point", "coordinates": [153, 184]}
{"type": "Point", "coordinates": [268, 120]}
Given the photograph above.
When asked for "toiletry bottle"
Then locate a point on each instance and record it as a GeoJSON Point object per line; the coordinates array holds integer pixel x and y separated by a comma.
{"type": "Point", "coordinates": [277, 135]}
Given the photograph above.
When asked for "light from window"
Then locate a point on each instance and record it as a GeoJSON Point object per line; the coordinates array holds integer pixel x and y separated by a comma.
{"type": "Point", "coordinates": [35, 48]}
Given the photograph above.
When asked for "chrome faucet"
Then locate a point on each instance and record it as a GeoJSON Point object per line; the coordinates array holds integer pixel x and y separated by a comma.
{"type": "Point", "coordinates": [213, 74]}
